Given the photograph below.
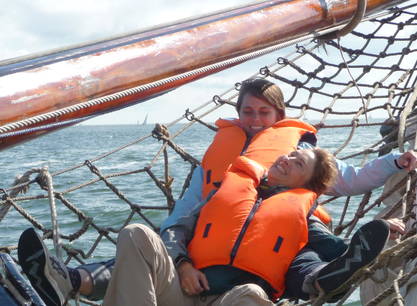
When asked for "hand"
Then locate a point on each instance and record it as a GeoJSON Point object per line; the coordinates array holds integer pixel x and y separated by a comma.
{"type": "Point", "coordinates": [396, 227]}
{"type": "Point", "coordinates": [408, 160]}
{"type": "Point", "coordinates": [192, 281]}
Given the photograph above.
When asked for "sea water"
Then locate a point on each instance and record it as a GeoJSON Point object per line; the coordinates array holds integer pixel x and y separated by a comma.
{"type": "Point", "coordinates": [74, 145]}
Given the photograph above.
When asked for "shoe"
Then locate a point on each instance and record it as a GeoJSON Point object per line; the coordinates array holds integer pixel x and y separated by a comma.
{"type": "Point", "coordinates": [366, 244]}
{"type": "Point", "coordinates": [47, 274]}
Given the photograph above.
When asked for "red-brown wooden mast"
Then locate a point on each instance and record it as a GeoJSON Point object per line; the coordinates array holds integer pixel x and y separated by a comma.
{"type": "Point", "coordinates": [55, 81]}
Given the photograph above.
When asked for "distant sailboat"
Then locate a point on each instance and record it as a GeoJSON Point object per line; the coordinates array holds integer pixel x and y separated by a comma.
{"type": "Point", "coordinates": [145, 121]}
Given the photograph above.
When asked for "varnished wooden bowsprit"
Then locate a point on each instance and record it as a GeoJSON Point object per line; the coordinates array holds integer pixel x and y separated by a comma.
{"type": "Point", "coordinates": [39, 94]}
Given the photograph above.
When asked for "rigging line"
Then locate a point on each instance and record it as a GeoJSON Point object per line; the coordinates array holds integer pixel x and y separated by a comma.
{"type": "Point", "coordinates": [357, 18]}
{"type": "Point", "coordinates": [413, 84]}
{"type": "Point", "coordinates": [79, 165]}
{"type": "Point", "coordinates": [407, 110]}
{"type": "Point", "coordinates": [353, 80]}
{"type": "Point", "coordinates": [46, 175]}
{"type": "Point", "coordinates": [44, 127]}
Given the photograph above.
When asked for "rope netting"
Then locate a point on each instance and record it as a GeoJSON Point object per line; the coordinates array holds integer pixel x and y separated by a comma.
{"type": "Point", "coordinates": [343, 85]}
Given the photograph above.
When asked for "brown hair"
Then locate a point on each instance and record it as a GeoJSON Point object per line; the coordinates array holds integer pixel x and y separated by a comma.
{"type": "Point", "coordinates": [265, 90]}
{"type": "Point", "coordinates": [324, 172]}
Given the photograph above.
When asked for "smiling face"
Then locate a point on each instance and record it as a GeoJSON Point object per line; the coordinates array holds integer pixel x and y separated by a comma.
{"type": "Point", "coordinates": [293, 170]}
{"type": "Point", "coordinates": [256, 115]}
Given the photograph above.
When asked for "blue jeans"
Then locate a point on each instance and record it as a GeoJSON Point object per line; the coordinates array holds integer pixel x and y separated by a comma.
{"type": "Point", "coordinates": [323, 246]}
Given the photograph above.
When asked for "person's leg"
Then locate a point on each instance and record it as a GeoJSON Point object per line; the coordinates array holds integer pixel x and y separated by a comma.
{"type": "Point", "coordinates": [322, 246]}
{"type": "Point", "coordinates": [94, 279]}
{"type": "Point", "coordinates": [297, 281]}
{"type": "Point", "coordinates": [307, 267]}
{"type": "Point", "coordinates": [242, 295]}
{"type": "Point", "coordinates": [366, 244]}
{"type": "Point", "coordinates": [90, 280]}
{"type": "Point", "coordinates": [143, 271]}
{"type": "Point", "coordinates": [321, 240]}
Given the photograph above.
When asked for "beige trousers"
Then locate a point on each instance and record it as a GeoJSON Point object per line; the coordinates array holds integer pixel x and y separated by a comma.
{"type": "Point", "coordinates": [144, 274]}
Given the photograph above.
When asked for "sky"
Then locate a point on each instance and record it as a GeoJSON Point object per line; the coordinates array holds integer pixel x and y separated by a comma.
{"type": "Point", "coordinates": [39, 25]}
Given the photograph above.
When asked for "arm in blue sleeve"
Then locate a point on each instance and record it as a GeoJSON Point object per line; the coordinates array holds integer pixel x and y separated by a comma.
{"type": "Point", "coordinates": [177, 236]}
{"type": "Point", "coordinates": [354, 180]}
{"type": "Point", "coordinates": [191, 198]}
{"type": "Point", "coordinates": [302, 145]}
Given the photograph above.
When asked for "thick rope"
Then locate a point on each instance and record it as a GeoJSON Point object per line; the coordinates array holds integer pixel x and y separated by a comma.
{"type": "Point", "coordinates": [45, 175]}
{"type": "Point", "coordinates": [404, 115]}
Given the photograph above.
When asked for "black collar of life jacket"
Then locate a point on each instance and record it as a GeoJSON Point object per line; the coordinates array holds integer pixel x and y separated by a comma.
{"type": "Point", "coordinates": [265, 191]}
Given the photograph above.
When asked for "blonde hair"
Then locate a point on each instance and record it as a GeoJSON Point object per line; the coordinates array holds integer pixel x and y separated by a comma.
{"type": "Point", "coordinates": [324, 173]}
{"type": "Point", "coordinates": [265, 90]}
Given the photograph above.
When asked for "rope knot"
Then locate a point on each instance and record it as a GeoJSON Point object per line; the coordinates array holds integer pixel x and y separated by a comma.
{"type": "Point", "coordinates": [327, 110]}
{"type": "Point", "coordinates": [360, 214]}
{"type": "Point", "coordinates": [21, 183]}
{"type": "Point", "coordinates": [42, 178]}
{"type": "Point", "coordinates": [92, 168]}
{"type": "Point", "coordinates": [5, 194]}
{"type": "Point", "coordinates": [406, 51]}
{"type": "Point", "coordinates": [160, 131]}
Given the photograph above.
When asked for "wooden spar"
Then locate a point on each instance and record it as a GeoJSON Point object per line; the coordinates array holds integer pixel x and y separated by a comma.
{"type": "Point", "coordinates": [38, 93]}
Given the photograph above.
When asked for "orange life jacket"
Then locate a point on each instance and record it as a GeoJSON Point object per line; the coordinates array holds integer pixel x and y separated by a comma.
{"type": "Point", "coordinates": [262, 237]}
{"type": "Point", "coordinates": [230, 142]}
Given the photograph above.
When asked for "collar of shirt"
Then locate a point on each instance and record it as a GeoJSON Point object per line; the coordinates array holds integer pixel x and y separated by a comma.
{"type": "Point", "coordinates": [265, 191]}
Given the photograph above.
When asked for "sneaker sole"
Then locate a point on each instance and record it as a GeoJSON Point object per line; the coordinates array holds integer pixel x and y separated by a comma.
{"type": "Point", "coordinates": [366, 244]}
{"type": "Point", "coordinates": [31, 254]}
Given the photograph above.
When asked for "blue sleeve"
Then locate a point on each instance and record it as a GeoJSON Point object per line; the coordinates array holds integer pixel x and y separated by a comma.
{"type": "Point", "coordinates": [191, 198]}
{"type": "Point", "coordinates": [177, 236]}
{"type": "Point", "coordinates": [302, 145]}
{"type": "Point", "coordinates": [354, 180]}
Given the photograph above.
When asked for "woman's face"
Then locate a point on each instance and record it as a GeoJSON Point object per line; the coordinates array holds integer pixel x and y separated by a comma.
{"type": "Point", "coordinates": [256, 115]}
{"type": "Point", "coordinates": [293, 170]}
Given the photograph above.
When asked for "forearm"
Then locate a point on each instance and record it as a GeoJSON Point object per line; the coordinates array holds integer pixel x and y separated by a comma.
{"type": "Point", "coordinates": [354, 180]}
{"type": "Point", "coordinates": [177, 236]}
{"type": "Point", "coordinates": [175, 239]}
